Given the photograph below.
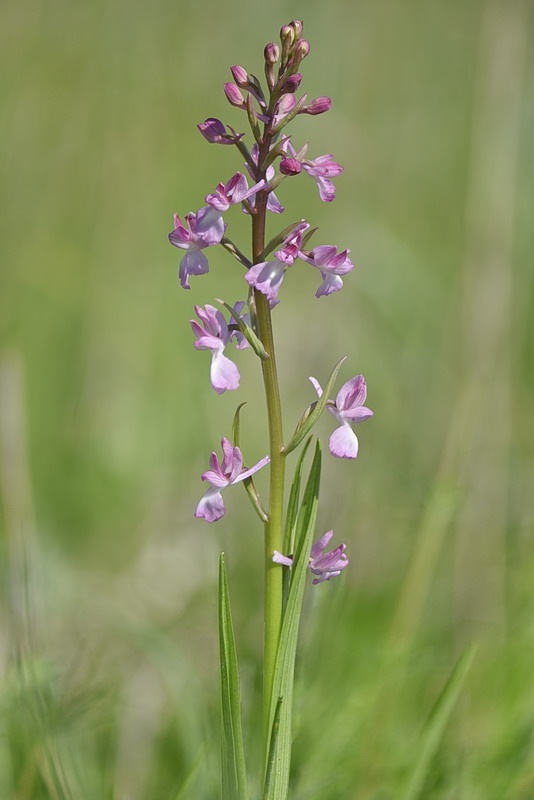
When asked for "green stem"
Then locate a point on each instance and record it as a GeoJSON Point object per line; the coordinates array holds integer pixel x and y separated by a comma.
{"type": "Point", "coordinates": [274, 528]}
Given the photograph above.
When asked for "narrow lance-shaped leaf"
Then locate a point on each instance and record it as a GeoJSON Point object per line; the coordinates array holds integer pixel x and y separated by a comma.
{"type": "Point", "coordinates": [312, 414]}
{"type": "Point", "coordinates": [234, 782]}
{"type": "Point", "coordinates": [277, 764]}
{"type": "Point", "coordinates": [272, 746]}
{"type": "Point", "coordinates": [291, 514]}
{"type": "Point", "coordinates": [436, 724]}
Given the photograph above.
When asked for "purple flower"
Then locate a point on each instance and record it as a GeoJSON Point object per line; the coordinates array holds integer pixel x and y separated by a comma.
{"type": "Point", "coordinates": [347, 408]}
{"type": "Point", "coordinates": [290, 249]}
{"type": "Point", "coordinates": [204, 229]}
{"type": "Point", "coordinates": [331, 265]}
{"type": "Point", "coordinates": [213, 333]}
{"type": "Point", "coordinates": [325, 565]}
{"type": "Point", "coordinates": [234, 191]}
{"type": "Point", "coordinates": [321, 169]}
{"type": "Point", "coordinates": [273, 203]}
{"type": "Point", "coordinates": [211, 505]}
{"type": "Point", "coordinates": [214, 132]}
{"type": "Point", "coordinates": [267, 276]}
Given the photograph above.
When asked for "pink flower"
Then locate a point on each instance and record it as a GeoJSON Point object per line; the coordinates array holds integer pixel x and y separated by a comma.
{"type": "Point", "coordinates": [211, 506]}
{"type": "Point", "coordinates": [347, 408]}
{"type": "Point", "coordinates": [321, 169]}
{"type": "Point", "coordinates": [203, 229]}
{"type": "Point", "coordinates": [213, 333]}
{"type": "Point", "coordinates": [234, 191]}
{"type": "Point", "coordinates": [267, 276]}
{"type": "Point", "coordinates": [325, 565]}
{"type": "Point", "coordinates": [331, 265]}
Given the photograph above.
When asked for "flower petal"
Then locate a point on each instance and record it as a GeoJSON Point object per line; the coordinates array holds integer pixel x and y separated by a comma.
{"type": "Point", "coordinates": [352, 393]}
{"type": "Point", "coordinates": [344, 442]}
{"type": "Point", "coordinates": [211, 506]}
{"type": "Point", "coordinates": [224, 374]}
{"type": "Point", "coordinates": [278, 558]}
{"type": "Point", "coordinates": [248, 472]}
{"type": "Point", "coordinates": [193, 263]}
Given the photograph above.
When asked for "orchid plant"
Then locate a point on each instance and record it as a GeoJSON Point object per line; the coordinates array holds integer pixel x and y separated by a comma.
{"type": "Point", "coordinates": [289, 528]}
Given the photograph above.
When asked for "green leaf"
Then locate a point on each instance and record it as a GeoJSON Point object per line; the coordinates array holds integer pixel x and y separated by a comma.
{"type": "Point", "coordinates": [236, 424]}
{"type": "Point", "coordinates": [278, 762]}
{"type": "Point", "coordinates": [436, 724]}
{"type": "Point", "coordinates": [293, 503]}
{"type": "Point", "coordinates": [291, 516]}
{"type": "Point", "coordinates": [234, 781]}
{"type": "Point", "coordinates": [272, 746]}
{"type": "Point", "coordinates": [312, 414]}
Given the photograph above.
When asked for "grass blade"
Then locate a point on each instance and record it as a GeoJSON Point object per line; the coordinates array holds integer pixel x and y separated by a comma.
{"type": "Point", "coordinates": [234, 781]}
{"type": "Point", "coordinates": [278, 762]}
{"type": "Point", "coordinates": [435, 726]}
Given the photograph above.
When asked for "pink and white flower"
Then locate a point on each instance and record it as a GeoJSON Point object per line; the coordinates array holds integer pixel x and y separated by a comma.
{"type": "Point", "coordinates": [232, 192]}
{"type": "Point", "coordinates": [213, 333]}
{"type": "Point", "coordinates": [221, 475]}
{"type": "Point", "coordinates": [203, 229]}
{"type": "Point", "coordinates": [348, 407]}
{"type": "Point", "coordinates": [325, 565]}
{"type": "Point", "coordinates": [331, 265]}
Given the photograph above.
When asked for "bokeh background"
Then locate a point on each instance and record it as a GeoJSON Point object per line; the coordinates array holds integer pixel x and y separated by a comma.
{"type": "Point", "coordinates": [108, 639]}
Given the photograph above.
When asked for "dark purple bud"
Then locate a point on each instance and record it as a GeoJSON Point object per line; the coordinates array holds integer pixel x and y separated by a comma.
{"type": "Point", "coordinates": [318, 106]}
{"type": "Point", "coordinates": [214, 132]}
{"type": "Point", "coordinates": [292, 83]}
{"type": "Point", "coordinates": [290, 166]}
{"type": "Point", "coordinates": [233, 95]}
{"type": "Point", "coordinates": [302, 48]}
{"type": "Point", "coordinates": [271, 53]}
{"type": "Point", "coordinates": [240, 76]}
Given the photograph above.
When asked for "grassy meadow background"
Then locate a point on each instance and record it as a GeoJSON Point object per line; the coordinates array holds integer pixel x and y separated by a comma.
{"type": "Point", "coordinates": [108, 650]}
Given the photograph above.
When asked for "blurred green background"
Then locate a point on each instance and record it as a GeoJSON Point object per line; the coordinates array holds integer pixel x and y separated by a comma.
{"type": "Point", "coordinates": [108, 652]}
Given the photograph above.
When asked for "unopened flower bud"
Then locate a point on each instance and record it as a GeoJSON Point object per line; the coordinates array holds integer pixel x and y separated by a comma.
{"type": "Point", "coordinates": [271, 53]}
{"type": "Point", "coordinates": [240, 76]}
{"type": "Point", "coordinates": [302, 49]}
{"type": "Point", "coordinates": [290, 166]}
{"type": "Point", "coordinates": [318, 106]}
{"type": "Point", "coordinates": [287, 35]}
{"type": "Point", "coordinates": [292, 83]}
{"type": "Point", "coordinates": [296, 24]}
{"type": "Point", "coordinates": [233, 95]}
